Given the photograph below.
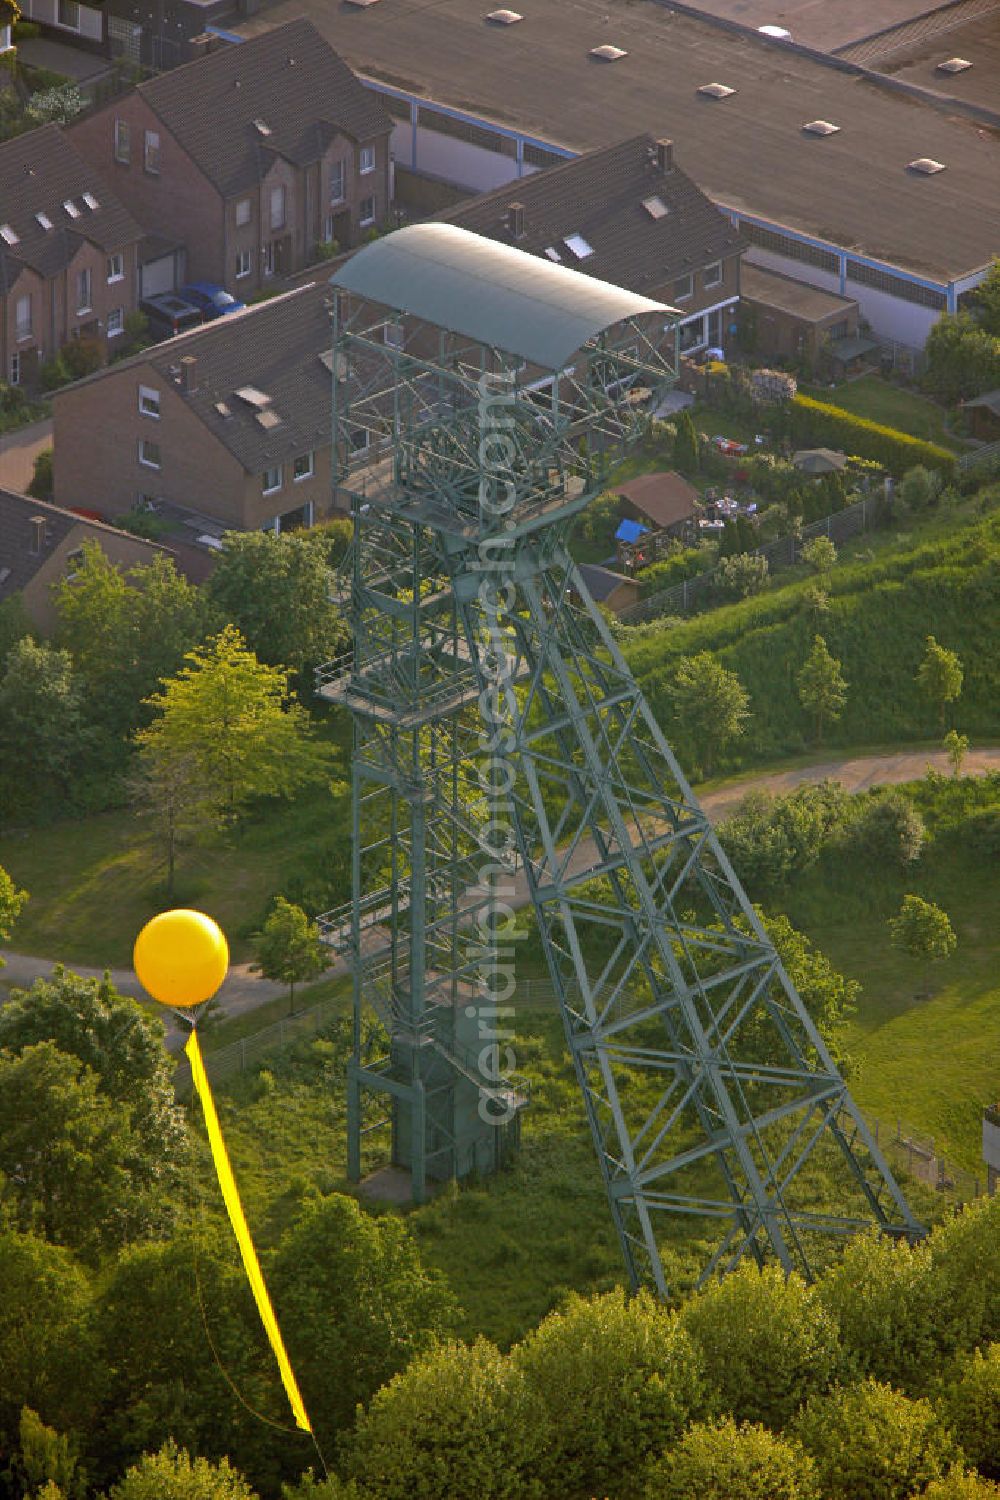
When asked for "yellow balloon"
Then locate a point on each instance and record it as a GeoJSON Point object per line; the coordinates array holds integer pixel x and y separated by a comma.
{"type": "Point", "coordinates": [181, 957]}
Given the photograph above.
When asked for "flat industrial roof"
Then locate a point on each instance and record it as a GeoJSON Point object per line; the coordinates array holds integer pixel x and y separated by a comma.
{"type": "Point", "coordinates": [748, 151]}
{"type": "Point", "coordinates": [759, 284]}
{"type": "Point", "coordinates": [977, 41]}
{"type": "Point", "coordinates": [493, 293]}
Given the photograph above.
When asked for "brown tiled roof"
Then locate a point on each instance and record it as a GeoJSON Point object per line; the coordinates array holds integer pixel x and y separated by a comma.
{"type": "Point", "coordinates": [288, 78]}
{"type": "Point", "coordinates": [600, 196]}
{"type": "Point", "coordinates": [665, 498]}
{"type": "Point", "coordinates": [39, 172]}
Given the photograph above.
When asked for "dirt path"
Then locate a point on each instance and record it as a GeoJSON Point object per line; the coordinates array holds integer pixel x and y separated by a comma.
{"type": "Point", "coordinates": [244, 990]}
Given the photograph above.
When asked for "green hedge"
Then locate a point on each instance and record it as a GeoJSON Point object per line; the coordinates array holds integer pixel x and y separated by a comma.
{"type": "Point", "coordinates": [821, 424]}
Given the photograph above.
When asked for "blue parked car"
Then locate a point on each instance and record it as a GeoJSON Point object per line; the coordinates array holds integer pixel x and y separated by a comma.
{"type": "Point", "coordinates": [212, 301]}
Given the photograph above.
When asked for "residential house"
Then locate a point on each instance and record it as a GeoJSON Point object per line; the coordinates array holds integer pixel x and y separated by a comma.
{"type": "Point", "coordinates": [227, 425]}
{"type": "Point", "coordinates": [253, 156]}
{"type": "Point", "coordinates": [157, 37]}
{"type": "Point", "coordinates": [629, 215]}
{"type": "Point", "coordinates": [40, 544]}
{"type": "Point", "coordinates": [68, 253]}
{"type": "Point", "coordinates": [664, 501]}
{"type": "Point", "coordinates": [615, 591]}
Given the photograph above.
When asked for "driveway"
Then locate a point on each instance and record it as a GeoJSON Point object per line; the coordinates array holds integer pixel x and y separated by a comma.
{"type": "Point", "coordinates": [18, 451]}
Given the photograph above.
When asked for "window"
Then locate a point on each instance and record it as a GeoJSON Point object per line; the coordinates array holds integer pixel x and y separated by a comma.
{"type": "Point", "coordinates": [328, 229]}
{"type": "Point", "coordinates": [123, 142]}
{"type": "Point", "coordinates": [268, 261]}
{"type": "Point", "coordinates": [713, 274]}
{"type": "Point", "coordinates": [116, 267]}
{"type": "Point", "coordinates": [359, 439]}
{"type": "Point", "coordinates": [683, 288]}
{"type": "Point", "coordinates": [304, 467]}
{"type": "Point", "coordinates": [896, 286]}
{"type": "Point", "coordinates": [83, 298]}
{"type": "Point", "coordinates": [393, 335]}
{"type": "Point", "coordinates": [837, 330]}
{"type": "Point", "coordinates": [367, 215]}
{"type": "Point", "coordinates": [151, 152]}
{"type": "Point", "coordinates": [23, 317]}
{"type": "Point", "coordinates": [69, 14]}
{"type": "Point", "coordinates": [244, 263]}
{"type": "Point", "coordinates": [367, 159]}
{"type": "Point", "coordinates": [15, 369]}
{"type": "Point", "coordinates": [149, 401]}
{"type": "Point", "coordinates": [792, 249]}
{"type": "Point", "coordinates": [337, 176]}
{"type": "Point", "coordinates": [116, 322]}
{"type": "Point", "coordinates": [242, 212]}
{"type": "Point", "coordinates": [271, 480]}
{"type": "Point", "coordinates": [149, 454]}
{"type": "Point", "coordinates": [278, 207]}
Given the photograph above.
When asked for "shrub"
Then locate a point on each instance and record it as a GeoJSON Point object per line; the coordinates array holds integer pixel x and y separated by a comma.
{"type": "Point", "coordinates": [768, 1343]}
{"type": "Point", "coordinates": [611, 1381]}
{"type": "Point", "coordinates": [970, 1401]}
{"type": "Point", "coordinates": [961, 1485]}
{"type": "Point", "coordinates": [871, 1442]}
{"type": "Point", "coordinates": [686, 562]}
{"type": "Point", "coordinates": [727, 1462]}
{"type": "Point", "coordinates": [821, 423]}
{"type": "Point", "coordinates": [888, 831]}
{"type": "Point", "coordinates": [40, 487]}
{"type": "Point", "coordinates": [171, 1474]}
{"type": "Point", "coordinates": [744, 574]}
{"type": "Point", "coordinates": [771, 838]}
{"type": "Point", "coordinates": [964, 1251]}
{"type": "Point", "coordinates": [918, 487]}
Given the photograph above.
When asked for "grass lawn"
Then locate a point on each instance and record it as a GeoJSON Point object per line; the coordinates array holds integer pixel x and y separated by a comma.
{"type": "Point", "coordinates": [891, 405]}
{"type": "Point", "coordinates": [95, 881]}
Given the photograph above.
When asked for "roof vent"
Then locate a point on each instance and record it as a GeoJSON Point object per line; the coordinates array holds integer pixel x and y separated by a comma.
{"type": "Point", "coordinates": [504, 17]}
{"type": "Point", "coordinates": [655, 207]}
{"type": "Point", "coordinates": [954, 65]}
{"type": "Point", "coordinates": [776, 33]}
{"type": "Point", "coordinates": [578, 245]}
{"type": "Point", "coordinates": [189, 374]}
{"type": "Point", "coordinates": [515, 220]}
{"type": "Point", "coordinates": [926, 166]}
{"type": "Point", "coordinates": [361, 4]}
{"type": "Point", "coordinates": [253, 397]}
{"type": "Point", "coordinates": [553, 254]}
{"type": "Point", "coordinates": [36, 534]}
{"type": "Point", "coordinates": [71, 208]}
{"type": "Point", "coordinates": [90, 201]}
{"type": "Point", "coordinates": [44, 220]}
{"type": "Point", "coordinates": [665, 155]}
{"type": "Point", "coordinates": [608, 53]}
{"type": "Point", "coordinates": [820, 127]}
{"type": "Point", "coordinates": [7, 235]}
{"type": "Point", "coordinates": [716, 90]}
{"type": "Point", "coordinates": [262, 127]}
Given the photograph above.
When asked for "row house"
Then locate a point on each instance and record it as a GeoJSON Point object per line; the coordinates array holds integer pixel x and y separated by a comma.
{"type": "Point", "coordinates": [69, 253]}
{"type": "Point", "coordinates": [254, 156]}
{"type": "Point", "coordinates": [227, 426]}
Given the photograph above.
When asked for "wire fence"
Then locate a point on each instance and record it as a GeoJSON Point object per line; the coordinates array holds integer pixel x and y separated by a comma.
{"type": "Point", "coordinates": [905, 1149]}
{"type": "Point", "coordinates": [685, 598]}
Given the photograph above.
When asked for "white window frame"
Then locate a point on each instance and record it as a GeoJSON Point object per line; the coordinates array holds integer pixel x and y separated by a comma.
{"type": "Point", "coordinates": [151, 152]}
{"type": "Point", "coordinates": [84, 291]}
{"type": "Point", "coordinates": [68, 25]}
{"type": "Point", "coordinates": [149, 402]}
{"type": "Point", "coordinates": [123, 141]}
{"type": "Point", "coordinates": [272, 489]}
{"type": "Point", "coordinates": [244, 211]}
{"type": "Point", "coordinates": [116, 322]}
{"type": "Point", "coordinates": [15, 368]}
{"type": "Point", "coordinates": [244, 264]}
{"type": "Point", "coordinates": [148, 463]}
{"type": "Point", "coordinates": [24, 329]}
{"type": "Point", "coordinates": [277, 223]}
{"type": "Point", "coordinates": [116, 267]}
{"type": "Point", "coordinates": [708, 278]}
{"type": "Point", "coordinates": [338, 174]}
{"type": "Point", "coordinates": [366, 160]}
{"type": "Point", "coordinates": [684, 296]}
{"type": "Point", "coordinates": [370, 219]}
{"type": "Point", "coordinates": [310, 459]}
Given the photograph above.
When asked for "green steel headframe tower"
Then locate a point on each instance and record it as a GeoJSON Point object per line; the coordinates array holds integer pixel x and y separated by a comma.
{"type": "Point", "coordinates": [504, 755]}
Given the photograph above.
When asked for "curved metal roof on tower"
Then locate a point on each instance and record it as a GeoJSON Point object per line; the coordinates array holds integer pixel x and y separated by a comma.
{"type": "Point", "coordinates": [490, 292]}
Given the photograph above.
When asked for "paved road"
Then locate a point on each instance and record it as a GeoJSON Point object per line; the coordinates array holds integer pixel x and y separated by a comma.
{"type": "Point", "coordinates": [244, 990]}
{"type": "Point", "coordinates": [18, 451]}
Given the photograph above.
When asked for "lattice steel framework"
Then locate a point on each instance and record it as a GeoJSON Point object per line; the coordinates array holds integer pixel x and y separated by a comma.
{"type": "Point", "coordinates": [708, 1090]}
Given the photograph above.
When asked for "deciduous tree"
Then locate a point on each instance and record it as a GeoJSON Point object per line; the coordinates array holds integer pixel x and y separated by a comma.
{"type": "Point", "coordinates": [923, 930]}
{"type": "Point", "coordinates": [820, 554]}
{"type": "Point", "coordinates": [939, 676]}
{"type": "Point", "coordinates": [43, 744]}
{"type": "Point", "coordinates": [172, 1474]}
{"type": "Point", "coordinates": [822, 687]}
{"type": "Point", "coordinates": [11, 902]}
{"type": "Point", "coordinates": [46, 1349]}
{"type": "Point", "coordinates": [871, 1442]}
{"type": "Point", "coordinates": [957, 748]}
{"type": "Point", "coordinates": [970, 1401]}
{"type": "Point", "coordinates": [275, 589]}
{"type": "Point", "coordinates": [289, 948]}
{"type": "Point", "coordinates": [711, 705]}
{"type": "Point", "coordinates": [732, 1462]}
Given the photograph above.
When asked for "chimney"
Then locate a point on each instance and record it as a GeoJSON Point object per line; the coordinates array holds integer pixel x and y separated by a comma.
{"type": "Point", "coordinates": [37, 536]}
{"type": "Point", "coordinates": [515, 220]}
{"type": "Point", "coordinates": [665, 155]}
{"type": "Point", "coordinates": [189, 374]}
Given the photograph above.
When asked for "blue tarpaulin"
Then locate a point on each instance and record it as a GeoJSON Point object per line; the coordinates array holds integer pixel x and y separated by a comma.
{"type": "Point", "coordinates": [630, 531]}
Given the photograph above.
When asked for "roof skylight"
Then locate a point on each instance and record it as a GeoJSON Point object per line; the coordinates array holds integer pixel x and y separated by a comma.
{"type": "Point", "coordinates": [7, 235]}
{"type": "Point", "coordinates": [926, 166]}
{"type": "Point", "coordinates": [505, 17]}
{"type": "Point", "coordinates": [253, 397]}
{"type": "Point", "coordinates": [954, 65]}
{"type": "Point", "coordinates": [262, 127]}
{"type": "Point", "coordinates": [608, 53]}
{"type": "Point", "coordinates": [553, 253]}
{"type": "Point", "coordinates": [43, 220]}
{"type": "Point", "coordinates": [820, 127]}
{"type": "Point", "coordinates": [71, 208]}
{"type": "Point", "coordinates": [268, 418]}
{"type": "Point", "coordinates": [90, 200]}
{"type": "Point", "coordinates": [578, 245]}
{"type": "Point", "coordinates": [655, 207]}
{"type": "Point", "coordinates": [716, 90]}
